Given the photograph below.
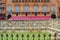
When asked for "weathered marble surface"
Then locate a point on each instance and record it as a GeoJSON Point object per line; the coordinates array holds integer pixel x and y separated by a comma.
{"type": "Point", "coordinates": [42, 23]}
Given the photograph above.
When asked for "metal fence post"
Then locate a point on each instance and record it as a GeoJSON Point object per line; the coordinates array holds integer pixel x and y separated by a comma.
{"type": "Point", "coordinates": [7, 36]}
{"type": "Point", "coordinates": [17, 36]}
{"type": "Point", "coordinates": [27, 36]}
{"type": "Point", "coordinates": [12, 36]}
{"type": "Point", "coordinates": [33, 36]}
{"type": "Point", "coordinates": [55, 35]}
{"type": "Point", "coordinates": [22, 36]}
{"type": "Point", "coordinates": [38, 36]}
{"type": "Point", "coordinates": [44, 36]}
{"type": "Point", "coordinates": [49, 36]}
{"type": "Point", "coordinates": [1, 36]}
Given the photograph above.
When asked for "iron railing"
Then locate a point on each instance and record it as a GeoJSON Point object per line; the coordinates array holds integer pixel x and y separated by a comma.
{"type": "Point", "coordinates": [30, 0]}
{"type": "Point", "coordinates": [33, 13]}
{"type": "Point", "coordinates": [33, 37]}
